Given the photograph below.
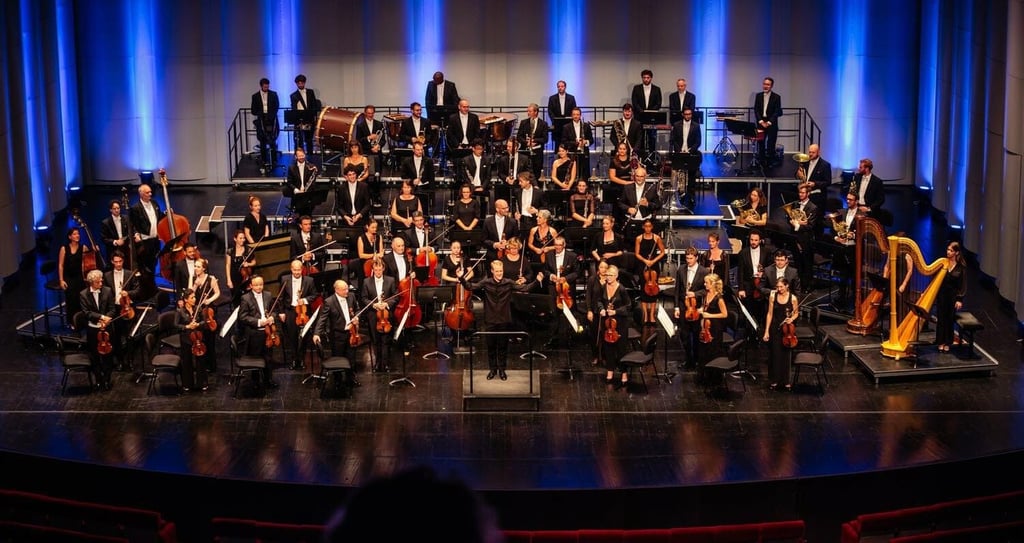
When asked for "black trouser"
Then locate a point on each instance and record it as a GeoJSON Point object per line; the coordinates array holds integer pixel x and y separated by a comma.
{"type": "Point", "coordinates": [497, 346]}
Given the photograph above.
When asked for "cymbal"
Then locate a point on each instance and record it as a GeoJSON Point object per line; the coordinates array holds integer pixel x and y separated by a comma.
{"type": "Point", "coordinates": [802, 158]}
{"type": "Point", "coordinates": [170, 245]}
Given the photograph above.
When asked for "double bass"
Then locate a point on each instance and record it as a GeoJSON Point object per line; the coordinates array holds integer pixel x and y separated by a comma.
{"type": "Point", "coordinates": [168, 230]}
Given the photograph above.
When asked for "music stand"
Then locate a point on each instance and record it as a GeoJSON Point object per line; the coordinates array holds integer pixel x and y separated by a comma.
{"type": "Point", "coordinates": [749, 133]}
{"type": "Point", "coordinates": [443, 294]}
{"type": "Point", "coordinates": [468, 238]}
{"type": "Point", "coordinates": [533, 304]}
{"type": "Point", "coordinates": [303, 203]}
{"type": "Point", "coordinates": [743, 370]}
{"type": "Point", "coordinates": [653, 116]}
{"type": "Point", "coordinates": [576, 234]}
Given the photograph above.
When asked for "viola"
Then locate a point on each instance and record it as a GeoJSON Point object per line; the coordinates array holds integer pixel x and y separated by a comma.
{"type": "Point", "coordinates": [384, 320]}
{"type": "Point", "coordinates": [757, 283]}
{"type": "Point", "coordinates": [611, 332]}
{"type": "Point", "coordinates": [272, 339]}
{"type": "Point", "coordinates": [301, 315]}
{"type": "Point", "coordinates": [407, 304]}
{"type": "Point", "coordinates": [788, 333]}
{"type": "Point", "coordinates": [209, 320]}
{"type": "Point", "coordinates": [562, 292]}
{"type": "Point", "coordinates": [169, 229]}
{"type": "Point", "coordinates": [103, 345]}
{"type": "Point", "coordinates": [501, 252]}
{"type": "Point", "coordinates": [127, 311]}
{"type": "Point", "coordinates": [353, 333]}
{"type": "Point", "coordinates": [651, 287]}
{"type": "Point", "coordinates": [198, 347]}
{"type": "Point", "coordinates": [691, 309]}
{"type": "Point", "coordinates": [705, 331]}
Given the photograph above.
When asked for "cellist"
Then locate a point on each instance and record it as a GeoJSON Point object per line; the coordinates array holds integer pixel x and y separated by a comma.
{"type": "Point", "coordinates": [336, 315]}
{"type": "Point", "coordinates": [376, 290]}
{"type": "Point", "coordinates": [299, 290]}
{"type": "Point", "coordinates": [560, 272]}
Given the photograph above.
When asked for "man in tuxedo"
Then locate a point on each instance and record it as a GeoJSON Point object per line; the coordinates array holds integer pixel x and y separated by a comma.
{"type": "Point", "coordinates": [560, 106]}
{"type": "Point", "coordinates": [781, 269]}
{"type": "Point", "coordinates": [689, 286]}
{"type": "Point", "coordinates": [767, 110]}
{"type": "Point", "coordinates": [577, 137]}
{"type": "Point", "coordinates": [680, 100]}
{"type": "Point", "coordinates": [114, 231]}
{"type": "Point", "coordinates": [253, 314]}
{"type": "Point", "coordinates": [375, 291]}
{"type": "Point", "coordinates": [475, 171]}
{"type": "Point", "coordinates": [499, 229]}
{"type": "Point", "coordinates": [414, 126]}
{"type": "Point", "coordinates": [118, 280]}
{"type": "Point", "coordinates": [145, 215]}
{"type": "Point", "coordinates": [440, 97]}
{"type": "Point", "coordinates": [336, 315]}
{"type": "Point", "coordinates": [532, 137]}
{"type": "Point", "coordinates": [298, 290]}
{"type": "Point", "coordinates": [817, 171]}
{"type": "Point", "coordinates": [304, 241]}
{"type": "Point", "coordinates": [300, 180]}
{"type": "Point", "coordinates": [528, 201]}
{"type": "Point", "coordinates": [805, 231]}
{"type": "Point", "coordinates": [751, 263]}
{"type": "Point", "coordinates": [419, 170]}
{"type": "Point", "coordinates": [396, 264]}
{"type": "Point", "coordinates": [630, 127]}
{"type": "Point", "coordinates": [97, 302]}
{"type": "Point", "coordinates": [417, 237]}
{"type": "Point", "coordinates": [185, 270]}
{"type": "Point", "coordinates": [639, 203]}
{"type": "Point", "coordinates": [869, 189]}
{"type": "Point", "coordinates": [685, 139]}
{"type": "Point", "coordinates": [463, 129]}
{"type": "Point", "coordinates": [561, 267]}
{"type": "Point", "coordinates": [646, 96]}
{"type": "Point", "coordinates": [369, 132]}
{"type": "Point", "coordinates": [353, 199]}
{"type": "Point", "coordinates": [304, 101]}
{"type": "Point", "coordinates": [264, 109]}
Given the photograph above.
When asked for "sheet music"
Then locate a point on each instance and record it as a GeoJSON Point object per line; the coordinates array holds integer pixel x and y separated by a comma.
{"type": "Point", "coordinates": [401, 325]}
{"type": "Point", "coordinates": [571, 318]}
{"type": "Point", "coordinates": [750, 318]}
{"type": "Point", "coordinates": [312, 319]}
{"type": "Point", "coordinates": [142, 317]}
{"type": "Point", "coordinates": [666, 321]}
{"type": "Point", "coordinates": [229, 323]}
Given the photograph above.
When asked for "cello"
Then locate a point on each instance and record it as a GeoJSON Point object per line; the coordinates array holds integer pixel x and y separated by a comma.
{"type": "Point", "coordinates": [459, 315]}
{"type": "Point", "coordinates": [407, 304]}
{"type": "Point", "coordinates": [91, 259]}
{"type": "Point", "coordinates": [168, 230]}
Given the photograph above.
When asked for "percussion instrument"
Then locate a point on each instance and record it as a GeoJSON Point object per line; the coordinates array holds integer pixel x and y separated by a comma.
{"type": "Point", "coordinates": [335, 128]}
{"type": "Point", "coordinates": [498, 126]}
{"type": "Point", "coordinates": [393, 124]}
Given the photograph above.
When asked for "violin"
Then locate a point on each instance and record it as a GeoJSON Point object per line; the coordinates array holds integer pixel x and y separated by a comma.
{"type": "Point", "coordinates": [127, 311]}
{"type": "Point", "coordinates": [209, 320]}
{"type": "Point", "coordinates": [103, 338]}
{"type": "Point", "coordinates": [611, 332]}
{"type": "Point", "coordinates": [691, 309]}
{"type": "Point", "coordinates": [788, 333]}
{"type": "Point", "coordinates": [272, 339]}
{"type": "Point", "coordinates": [198, 347]}
{"type": "Point", "coordinates": [757, 283]}
{"type": "Point", "coordinates": [705, 331]}
{"type": "Point", "coordinates": [562, 292]}
{"type": "Point", "coordinates": [353, 333]}
{"type": "Point", "coordinates": [383, 319]}
{"type": "Point", "coordinates": [651, 287]}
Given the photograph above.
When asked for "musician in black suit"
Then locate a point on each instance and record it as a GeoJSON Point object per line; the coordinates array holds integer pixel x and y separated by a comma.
{"type": "Point", "coordinates": [305, 241]}
{"type": "Point", "coordinates": [685, 138]}
{"type": "Point", "coordinates": [767, 110]}
{"type": "Point", "coordinates": [499, 229]}
{"type": "Point", "coordinates": [577, 137]}
{"type": "Point", "coordinates": [805, 230]}
{"type": "Point", "coordinates": [646, 96]}
{"type": "Point", "coordinates": [817, 171]}
{"type": "Point", "coordinates": [527, 201]}
{"type": "Point", "coordinates": [120, 282]}
{"type": "Point", "coordinates": [414, 126]}
{"type": "Point", "coordinates": [751, 263]}
{"type": "Point", "coordinates": [375, 291]}
{"type": "Point", "coordinates": [336, 315]}
{"type": "Point", "coordinates": [781, 269]}
{"type": "Point", "coordinates": [689, 286]}
{"type": "Point", "coordinates": [184, 270]}
{"type": "Point", "coordinates": [440, 97]}
{"type": "Point", "coordinates": [97, 302]}
{"type": "Point", "coordinates": [353, 199]}
{"type": "Point", "coordinates": [532, 137]}
{"type": "Point", "coordinates": [869, 188]}
{"type": "Point", "coordinates": [560, 106]}
{"type": "Point", "coordinates": [114, 231]}
{"type": "Point", "coordinates": [629, 126]}
{"type": "Point", "coordinates": [254, 314]}
{"type": "Point", "coordinates": [475, 170]}
{"type": "Point", "coordinates": [417, 237]}
{"type": "Point", "coordinates": [639, 202]}
{"type": "Point", "coordinates": [463, 129]}
{"type": "Point", "coordinates": [264, 109]}
{"type": "Point", "coordinates": [418, 169]}
{"type": "Point", "coordinates": [369, 132]}
{"type": "Point", "coordinates": [505, 167]}
{"type": "Point", "coordinates": [145, 215]}
{"type": "Point", "coordinates": [560, 266]}
{"type": "Point", "coordinates": [300, 180]}
{"type": "Point", "coordinates": [304, 100]}
{"type": "Point", "coordinates": [297, 290]}
{"type": "Point", "coordinates": [396, 264]}
{"type": "Point", "coordinates": [680, 100]}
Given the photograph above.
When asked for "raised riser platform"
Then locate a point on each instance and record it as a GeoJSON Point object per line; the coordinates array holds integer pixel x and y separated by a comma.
{"type": "Point", "coordinates": [497, 395]}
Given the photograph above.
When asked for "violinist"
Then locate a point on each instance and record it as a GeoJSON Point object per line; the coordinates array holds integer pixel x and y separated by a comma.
{"type": "Point", "coordinates": [254, 316]}
{"type": "Point", "coordinates": [336, 315]}
{"type": "Point", "coordinates": [595, 283]}
{"type": "Point", "coordinates": [187, 320]}
{"type": "Point", "coordinates": [185, 270]}
{"type": "Point", "coordinates": [752, 261]}
{"type": "Point", "coordinates": [417, 238]}
{"type": "Point", "coordinates": [238, 265]}
{"type": "Point", "coordinates": [353, 199]}
{"type": "Point", "coordinates": [650, 251]}
{"type": "Point", "coordinates": [452, 262]}
{"type": "Point", "coordinates": [376, 291]}
{"type": "Point", "coordinates": [714, 312]}
{"type": "Point", "coordinates": [298, 290]}
{"type": "Point", "coordinates": [98, 305]}
{"type": "Point", "coordinates": [496, 292]}
{"type": "Point", "coordinates": [207, 289]}
{"type": "Point", "coordinates": [782, 309]}
{"type": "Point", "coordinates": [499, 229]}
{"type": "Point", "coordinates": [306, 245]}
{"type": "Point", "coordinates": [144, 216]}
{"type": "Point", "coordinates": [119, 281]}
{"type": "Point", "coordinates": [560, 271]}
{"type": "Point", "coordinates": [689, 293]}
{"type": "Point", "coordinates": [611, 308]}
{"type": "Point", "coordinates": [255, 225]}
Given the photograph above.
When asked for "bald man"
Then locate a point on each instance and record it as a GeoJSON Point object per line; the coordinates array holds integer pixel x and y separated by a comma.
{"type": "Point", "coordinates": [819, 172]}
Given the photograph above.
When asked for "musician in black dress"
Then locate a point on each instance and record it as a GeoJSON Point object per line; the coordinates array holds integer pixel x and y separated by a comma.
{"type": "Point", "coordinates": [370, 244]}
{"type": "Point", "coordinates": [238, 264]}
{"type": "Point", "coordinates": [582, 206]}
{"type": "Point", "coordinates": [496, 292]}
{"type": "Point", "coordinates": [451, 263]}
{"type": "Point", "coordinates": [403, 207]}
{"type": "Point", "coordinates": [467, 211]}
{"type": "Point", "coordinates": [70, 272]}
{"type": "Point", "coordinates": [188, 320]}
{"type": "Point", "coordinates": [620, 176]}
{"type": "Point", "coordinates": [714, 312]}
{"type": "Point", "coordinates": [591, 296]}
{"type": "Point", "coordinates": [541, 237]}
{"type": "Point", "coordinates": [612, 303]}
{"type": "Point", "coordinates": [607, 245]}
{"type": "Point", "coordinates": [514, 262]}
{"type": "Point", "coordinates": [715, 259]}
{"type": "Point", "coordinates": [255, 224]}
{"type": "Point", "coordinates": [650, 251]}
{"type": "Point", "coordinates": [950, 297]}
{"type": "Point", "coordinates": [783, 307]}
{"type": "Point", "coordinates": [207, 290]}
{"type": "Point", "coordinates": [755, 211]}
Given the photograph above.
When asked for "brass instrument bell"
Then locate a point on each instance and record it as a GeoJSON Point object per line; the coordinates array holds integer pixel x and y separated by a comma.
{"type": "Point", "coordinates": [802, 158]}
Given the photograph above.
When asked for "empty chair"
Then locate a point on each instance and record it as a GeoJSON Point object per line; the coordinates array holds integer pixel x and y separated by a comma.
{"type": "Point", "coordinates": [805, 333]}
{"type": "Point", "coordinates": [161, 363]}
{"type": "Point", "coordinates": [636, 360]}
{"type": "Point", "coordinates": [814, 360]}
{"type": "Point", "coordinates": [73, 362]}
{"type": "Point", "coordinates": [726, 364]}
{"type": "Point", "coordinates": [168, 330]}
{"type": "Point", "coordinates": [242, 365]}
{"type": "Point", "coordinates": [337, 367]}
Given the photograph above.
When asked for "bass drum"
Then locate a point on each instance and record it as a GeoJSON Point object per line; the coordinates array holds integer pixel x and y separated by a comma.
{"type": "Point", "coordinates": [335, 128]}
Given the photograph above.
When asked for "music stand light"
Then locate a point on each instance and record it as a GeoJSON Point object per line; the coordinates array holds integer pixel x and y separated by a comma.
{"type": "Point", "coordinates": [443, 294]}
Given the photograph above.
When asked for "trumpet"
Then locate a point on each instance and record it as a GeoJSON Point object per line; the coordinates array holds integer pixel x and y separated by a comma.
{"type": "Point", "coordinates": [794, 214]}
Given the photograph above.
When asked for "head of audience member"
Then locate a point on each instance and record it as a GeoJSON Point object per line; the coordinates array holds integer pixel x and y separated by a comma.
{"type": "Point", "coordinates": [646, 76]}
{"type": "Point", "coordinates": [300, 81]}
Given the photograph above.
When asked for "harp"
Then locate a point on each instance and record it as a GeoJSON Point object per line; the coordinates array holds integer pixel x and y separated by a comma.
{"type": "Point", "coordinates": [871, 256]}
{"type": "Point", "coordinates": [901, 336]}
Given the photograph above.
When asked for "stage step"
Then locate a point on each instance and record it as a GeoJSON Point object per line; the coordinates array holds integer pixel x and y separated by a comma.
{"type": "Point", "coordinates": [515, 394]}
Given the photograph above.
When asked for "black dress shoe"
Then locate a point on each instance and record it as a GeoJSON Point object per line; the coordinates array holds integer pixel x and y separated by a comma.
{"type": "Point", "coordinates": [491, 374]}
{"type": "Point", "coordinates": [503, 375]}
